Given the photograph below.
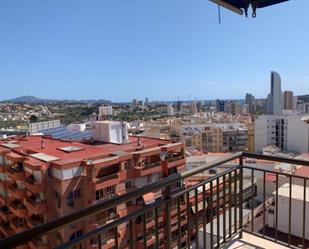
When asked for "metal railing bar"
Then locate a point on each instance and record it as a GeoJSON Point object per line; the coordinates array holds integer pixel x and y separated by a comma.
{"type": "Point", "coordinates": [252, 200]}
{"type": "Point", "coordinates": [277, 206]}
{"type": "Point", "coordinates": [275, 158]}
{"type": "Point", "coordinates": [179, 223]}
{"type": "Point", "coordinates": [196, 213]}
{"type": "Point", "coordinates": [144, 230]}
{"type": "Point", "coordinates": [204, 216]}
{"type": "Point", "coordinates": [230, 205]}
{"type": "Point", "coordinates": [211, 216]}
{"type": "Point", "coordinates": [224, 209]}
{"type": "Point", "coordinates": [241, 176]}
{"type": "Point", "coordinates": [218, 211]}
{"type": "Point", "coordinates": [235, 201]}
{"type": "Point", "coordinates": [290, 209]}
{"type": "Point", "coordinates": [275, 172]}
{"type": "Point", "coordinates": [114, 223]}
{"type": "Point", "coordinates": [208, 180]}
{"type": "Point", "coordinates": [304, 214]}
{"type": "Point", "coordinates": [157, 227]}
{"type": "Point", "coordinates": [264, 205]}
{"type": "Point", "coordinates": [188, 220]}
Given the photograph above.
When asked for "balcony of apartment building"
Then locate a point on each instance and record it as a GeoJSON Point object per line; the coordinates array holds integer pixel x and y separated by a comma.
{"type": "Point", "coordinates": [16, 191]}
{"type": "Point", "coordinates": [18, 224]}
{"type": "Point", "coordinates": [36, 205]}
{"type": "Point", "coordinates": [33, 185]}
{"type": "Point", "coordinates": [35, 220]}
{"type": "Point", "coordinates": [5, 228]}
{"type": "Point", "coordinates": [239, 207]}
{"type": "Point", "coordinates": [174, 156]}
{"type": "Point", "coordinates": [107, 175]}
{"type": "Point", "coordinates": [148, 166]}
{"type": "Point", "coordinates": [18, 208]}
{"type": "Point", "coordinates": [5, 213]}
{"type": "Point", "coordinates": [16, 172]}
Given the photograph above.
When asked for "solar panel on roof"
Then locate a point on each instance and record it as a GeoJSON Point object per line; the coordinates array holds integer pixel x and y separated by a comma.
{"type": "Point", "coordinates": [63, 133]}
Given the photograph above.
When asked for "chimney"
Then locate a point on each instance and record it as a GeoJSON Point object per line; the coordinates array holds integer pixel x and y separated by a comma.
{"type": "Point", "coordinates": [42, 144]}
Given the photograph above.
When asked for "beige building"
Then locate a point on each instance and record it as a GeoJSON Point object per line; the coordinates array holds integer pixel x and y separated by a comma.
{"type": "Point", "coordinates": [212, 139]}
{"type": "Point", "coordinates": [251, 138]}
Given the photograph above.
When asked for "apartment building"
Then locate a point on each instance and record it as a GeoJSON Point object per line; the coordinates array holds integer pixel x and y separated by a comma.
{"type": "Point", "coordinates": [271, 130]}
{"type": "Point", "coordinates": [212, 139]}
{"type": "Point", "coordinates": [216, 137]}
{"type": "Point", "coordinates": [42, 178]}
{"type": "Point", "coordinates": [287, 132]}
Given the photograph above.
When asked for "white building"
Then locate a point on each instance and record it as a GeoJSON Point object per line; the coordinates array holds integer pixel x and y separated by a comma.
{"type": "Point", "coordinates": [297, 204]}
{"type": "Point", "coordinates": [110, 131]}
{"type": "Point", "coordinates": [298, 134]}
{"type": "Point", "coordinates": [271, 130]}
{"type": "Point", "coordinates": [287, 132]}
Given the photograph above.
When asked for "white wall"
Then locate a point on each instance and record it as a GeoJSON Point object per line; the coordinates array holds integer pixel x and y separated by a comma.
{"type": "Point", "coordinates": [298, 135]}
{"type": "Point", "coordinates": [260, 132]}
{"type": "Point", "coordinates": [296, 218]}
{"type": "Point", "coordinates": [68, 173]}
{"type": "Point", "coordinates": [109, 131]}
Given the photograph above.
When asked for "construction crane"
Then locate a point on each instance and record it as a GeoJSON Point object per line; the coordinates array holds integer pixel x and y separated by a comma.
{"type": "Point", "coordinates": [242, 6]}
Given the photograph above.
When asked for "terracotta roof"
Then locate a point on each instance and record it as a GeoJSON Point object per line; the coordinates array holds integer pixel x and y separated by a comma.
{"type": "Point", "coordinates": [33, 144]}
{"type": "Point", "coordinates": [13, 155]}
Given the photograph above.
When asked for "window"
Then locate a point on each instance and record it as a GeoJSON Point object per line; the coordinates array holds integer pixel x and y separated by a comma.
{"type": "Point", "coordinates": [73, 195]}
{"type": "Point", "coordinates": [58, 197]}
{"type": "Point", "coordinates": [70, 200]}
{"type": "Point", "coordinates": [128, 184]}
{"type": "Point", "coordinates": [49, 171]}
{"type": "Point", "coordinates": [99, 194]}
{"type": "Point", "coordinates": [127, 165]}
{"type": "Point", "coordinates": [76, 235]}
{"type": "Point", "coordinates": [110, 189]}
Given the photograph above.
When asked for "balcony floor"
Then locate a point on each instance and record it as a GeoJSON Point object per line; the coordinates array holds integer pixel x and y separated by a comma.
{"type": "Point", "coordinates": [249, 241]}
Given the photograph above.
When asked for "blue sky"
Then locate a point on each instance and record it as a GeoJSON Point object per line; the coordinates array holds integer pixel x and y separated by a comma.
{"type": "Point", "coordinates": [161, 49]}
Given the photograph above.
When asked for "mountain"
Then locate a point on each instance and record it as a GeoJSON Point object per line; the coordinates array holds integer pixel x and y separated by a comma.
{"type": "Point", "coordinates": [35, 100]}
{"type": "Point", "coordinates": [25, 99]}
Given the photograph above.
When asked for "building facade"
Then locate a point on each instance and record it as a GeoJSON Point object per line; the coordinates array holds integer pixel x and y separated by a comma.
{"type": "Point", "coordinates": [288, 100]}
{"type": "Point", "coordinates": [43, 178]}
{"type": "Point", "coordinates": [274, 99]}
{"type": "Point", "coordinates": [270, 130]}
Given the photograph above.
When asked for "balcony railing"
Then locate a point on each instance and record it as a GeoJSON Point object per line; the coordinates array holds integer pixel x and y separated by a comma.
{"type": "Point", "coordinates": [219, 211]}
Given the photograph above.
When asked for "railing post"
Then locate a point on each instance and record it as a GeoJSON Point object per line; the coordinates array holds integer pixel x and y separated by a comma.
{"type": "Point", "coordinates": [240, 199]}
{"type": "Point", "coordinates": [168, 241]}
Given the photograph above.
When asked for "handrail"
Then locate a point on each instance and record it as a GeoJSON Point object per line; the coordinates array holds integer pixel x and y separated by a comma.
{"type": "Point", "coordinates": [276, 158]}
{"type": "Point", "coordinates": [63, 221]}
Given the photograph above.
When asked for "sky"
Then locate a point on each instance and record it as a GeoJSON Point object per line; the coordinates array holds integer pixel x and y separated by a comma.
{"type": "Point", "coordinates": [161, 49]}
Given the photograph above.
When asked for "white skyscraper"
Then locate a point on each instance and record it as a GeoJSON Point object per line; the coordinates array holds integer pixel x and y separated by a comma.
{"type": "Point", "coordinates": [274, 99]}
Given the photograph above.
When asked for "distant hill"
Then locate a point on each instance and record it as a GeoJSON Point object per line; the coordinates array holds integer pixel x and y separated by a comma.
{"type": "Point", "coordinates": [36, 100]}
{"type": "Point", "coordinates": [304, 98]}
{"type": "Point", "coordinates": [25, 99]}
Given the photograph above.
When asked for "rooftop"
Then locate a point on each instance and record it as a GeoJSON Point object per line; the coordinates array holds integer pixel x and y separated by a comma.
{"type": "Point", "coordinates": [48, 149]}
